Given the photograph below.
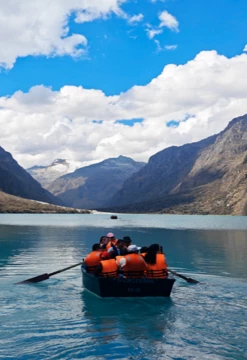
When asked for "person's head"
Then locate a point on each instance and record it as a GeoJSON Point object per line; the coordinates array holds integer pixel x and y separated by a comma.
{"type": "Point", "coordinates": [133, 249]}
{"type": "Point", "coordinates": [96, 247]}
{"type": "Point", "coordinates": [110, 236]}
{"type": "Point", "coordinates": [144, 249]}
{"type": "Point", "coordinates": [105, 255]}
{"type": "Point", "coordinates": [150, 257]}
{"type": "Point", "coordinates": [120, 244]}
{"type": "Point", "coordinates": [103, 240]}
{"type": "Point", "coordinates": [127, 240]}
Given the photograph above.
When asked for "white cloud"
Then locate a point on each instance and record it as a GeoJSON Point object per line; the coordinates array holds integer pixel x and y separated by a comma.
{"type": "Point", "coordinates": [151, 33]}
{"type": "Point", "coordinates": [136, 18]}
{"type": "Point", "coordinates": [171, 47]}
{"type": "Point", "coordinates": [166, 47]}
{"type": "Point", "coordinates": [245, 48]}
{"type": "Point", "coordinates": [34, 27]}
{"type": "Point", "coordinates": [41, 125]}
{"type": "Point", "coordinates": [169, 21]}
{"type": "Point", "coordinates": [159, 48]}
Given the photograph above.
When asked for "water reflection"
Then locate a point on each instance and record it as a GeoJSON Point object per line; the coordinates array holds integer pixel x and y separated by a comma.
{"type": "Point", "coordinates": [113, 318]}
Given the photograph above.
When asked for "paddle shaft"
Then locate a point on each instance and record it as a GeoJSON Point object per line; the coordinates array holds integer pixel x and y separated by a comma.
{"type": "Point", "coordinates": [46, 276]}
{"type": "Point", "coordinates": [67, 268]}
{"type": "Point", "coordinates": [190, 280]}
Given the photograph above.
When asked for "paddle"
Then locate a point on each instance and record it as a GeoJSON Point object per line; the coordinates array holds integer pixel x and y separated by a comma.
{"type": "Point", "coordinates": [46, 276]}
{"type": "Point", "coordinates": [189, 280]}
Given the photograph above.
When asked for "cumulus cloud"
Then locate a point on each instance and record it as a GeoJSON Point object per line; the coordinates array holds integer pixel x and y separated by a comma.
{"type": "Point", "coordinates": [41, 27]}
{"type": "Point", "coordinates": [153, 32]}
{"type": "Point", "coordinates": [245, 48]}
{"type": "Point", "coordinates": [169, 21]}
{"type": "Point", "coordinates": [166, 20]}
{"type": "Point", "coordinates": [136, 19]}
{"type": "Point", "coordinates": [201, 96]}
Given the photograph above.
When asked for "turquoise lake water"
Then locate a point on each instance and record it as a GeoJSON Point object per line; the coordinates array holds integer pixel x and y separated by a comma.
{"type": "Point", "coordinates": [58, 319]}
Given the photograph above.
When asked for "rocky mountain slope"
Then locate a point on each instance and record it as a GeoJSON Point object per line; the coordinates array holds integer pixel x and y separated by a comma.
{"type": "Point", "coordinates": [92, 186]}
{"type": "Point", "coordinates": [14, 204]}
{"type": "Point", "coordinates": [209, 176]}
{"type": "Point", "coordinates": [16, 181]}
{"type": "Point", "coordinates": [45, 175]}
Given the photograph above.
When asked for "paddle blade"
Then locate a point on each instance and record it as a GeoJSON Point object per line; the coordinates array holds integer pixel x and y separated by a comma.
{"type": "Point", "coordinates": [35, 279]}
{"type": "Point", "coordinates": [189, 280]}
{"type": "Point", "coordinates": [192, 281]}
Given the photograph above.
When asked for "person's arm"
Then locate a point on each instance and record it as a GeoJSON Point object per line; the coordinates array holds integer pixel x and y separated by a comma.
{"type": "Point", "coordinates": [122, 263]}
{"type": "Point", "coordinates": [113, 248]}
{"type": "Point", "coordinates": [165, 261]}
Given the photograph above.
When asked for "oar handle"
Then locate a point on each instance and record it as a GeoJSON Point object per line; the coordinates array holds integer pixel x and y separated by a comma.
{"type": "Point", "coordinates": [67, 268]}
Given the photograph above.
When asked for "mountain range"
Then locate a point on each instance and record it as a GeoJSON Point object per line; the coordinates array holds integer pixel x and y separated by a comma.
{"type": "Point", "coordinates": [92, 186]}
{"type": "Point", "coordinates": [206, 177]}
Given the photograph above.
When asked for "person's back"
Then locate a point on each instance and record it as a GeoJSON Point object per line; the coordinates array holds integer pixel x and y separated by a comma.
{"type": "Point", "coordinates": [92, 260]}
{"type": "Point", "coordinates": [156, 263]}
{"type": "Point", "coordinates": [107, 266]}
{"type": "Point", "coordinates": [132, 264]}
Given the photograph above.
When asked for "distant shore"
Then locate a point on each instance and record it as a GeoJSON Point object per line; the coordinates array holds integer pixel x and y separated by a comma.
{"type": "Point", "coordinates": [10, 204]}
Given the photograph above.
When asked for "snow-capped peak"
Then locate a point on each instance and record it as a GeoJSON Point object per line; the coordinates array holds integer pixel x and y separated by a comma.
{"type": "Point", "coordinates": [45, 175]}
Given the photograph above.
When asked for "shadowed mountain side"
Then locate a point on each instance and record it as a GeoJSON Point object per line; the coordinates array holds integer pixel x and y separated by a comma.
{"type": "Point", "coordinates": [203, 200]}
{"type": "Point", "coordinates": [16, 181]}
{"type": "Point", "coordinates": [164, 171]}
{"type": "Point", "coordinates": [14, 204]}
{"type": "Point", "coordinates": [212, 172]}
{"type": "Point", "coordinates": [92, 186]}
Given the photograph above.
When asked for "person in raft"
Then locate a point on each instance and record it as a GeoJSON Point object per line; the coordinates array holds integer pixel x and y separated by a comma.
{"type": "Point", "coordinates": [107, 266]}
{"type": "Point", "coordinates": [156, 262]}
{"type": "Point", "coordinates": [111, 240]}
{"type": "Point", "coordinates": [93, 259]}
{"type": "Point", "coordinates": [103, 242]}
{"type": "Point", "coordinates": [119, 249]}
{"type": "Point", "coordinates": [133, 264]}
{"type": "Point", "coordinates": [127, 240]}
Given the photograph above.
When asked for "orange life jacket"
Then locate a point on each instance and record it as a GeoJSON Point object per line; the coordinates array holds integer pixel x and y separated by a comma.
{"type": "Point", "coordinates": [109, 268]}
{"type": "Point", "coordinates": [135, 266]}
{"type": "Point", "coordinates": [110, 243]}
{"type": "Point", "coordinates": [114, 242]}
{"type": "Point", "coordinates": [159, 269]}
{"type": "Point", "coordinates": [92, 261]}
{"type": "Point", "coordinates": [143, 254]}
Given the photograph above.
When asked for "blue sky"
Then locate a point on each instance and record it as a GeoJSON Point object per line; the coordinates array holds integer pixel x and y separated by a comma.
{"type": "Point", "coordinates": [121, 55]}
{"type": "Point", "coordinates": [86, 81]}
